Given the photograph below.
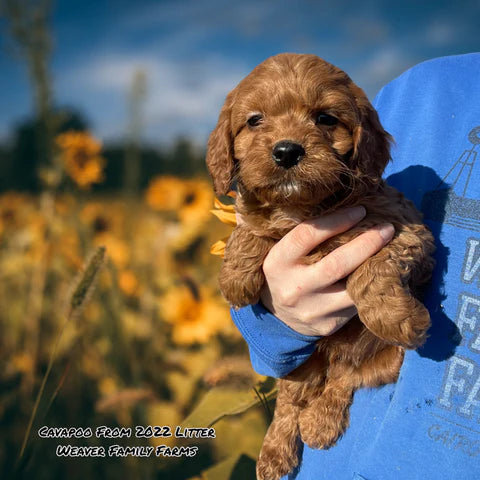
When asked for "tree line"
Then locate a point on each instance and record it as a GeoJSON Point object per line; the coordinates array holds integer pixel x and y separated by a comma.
{"type": "Point", "coordinates": [21, 158]}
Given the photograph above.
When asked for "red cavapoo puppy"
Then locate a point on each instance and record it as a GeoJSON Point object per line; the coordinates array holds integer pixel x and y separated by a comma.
{"type": "Point", "coordinates": [301, 140]}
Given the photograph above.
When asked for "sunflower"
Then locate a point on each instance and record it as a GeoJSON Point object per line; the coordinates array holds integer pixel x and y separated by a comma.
{"type": "Point", "coordinates": [118, 250]}
{"type": "Point", "coordinates": [16, 210]}
{"type": "Point", "coordinates": [22, 227]}
{"type": "Point", "coordinates": [101, 217]}
{"type": "Point", "coordinates": [128, 283]}
{"type": "Point", "coordinates": [196, 202]}
{"type": "Point", "coordinates": [188, 200]}
{"type": "Point", "coordinates": [80, 154]}
{"type": "Point", "coordinates": [165, 193]}
{"type": "Point", "coordinates": [226, 214]}
{"type": "Point", "coordinates": [106, 224]}
{"type": "Point", "coordinates": [195, 313]}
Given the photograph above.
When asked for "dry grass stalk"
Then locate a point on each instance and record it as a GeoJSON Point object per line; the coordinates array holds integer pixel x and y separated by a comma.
{"type": "Point", "coordinates": [81, 293]}
{"type": "Point", "coordinates": [86, 282]}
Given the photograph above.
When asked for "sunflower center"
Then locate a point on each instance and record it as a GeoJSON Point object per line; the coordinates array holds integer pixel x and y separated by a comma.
{"type": "Point", "coordinates": [189, 198]}
{"type": "Point", "coordinates": [81, 159]}
{"type": "Point", "coordinates": [100, 224]}
{"type": "Point", "coordinates": [8, 215]}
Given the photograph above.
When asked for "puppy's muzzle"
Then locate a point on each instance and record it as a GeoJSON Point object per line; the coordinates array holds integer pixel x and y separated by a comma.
{"type": "Point", "coordinates": [287, 154]}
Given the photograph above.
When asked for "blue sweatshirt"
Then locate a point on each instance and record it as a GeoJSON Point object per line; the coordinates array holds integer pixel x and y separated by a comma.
{"type": "Point", "coordinates": [427, 425]}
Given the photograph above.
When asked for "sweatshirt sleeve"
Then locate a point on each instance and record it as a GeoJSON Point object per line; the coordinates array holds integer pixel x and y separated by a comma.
{"type": "Point", "coordinates": [275, 349]}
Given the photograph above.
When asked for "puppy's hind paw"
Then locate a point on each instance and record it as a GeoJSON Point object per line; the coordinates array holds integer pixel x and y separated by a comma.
{"type": "Point", "coordinates": [318, 434]}
{"type": "Point", "coordinates": [272, 465]}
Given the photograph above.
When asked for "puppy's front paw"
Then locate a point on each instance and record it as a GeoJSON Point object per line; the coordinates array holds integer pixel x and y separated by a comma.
{"type": "Point", "coordinates": [239, 288]}
{"type": "Point", "coordinates": [405, 324]}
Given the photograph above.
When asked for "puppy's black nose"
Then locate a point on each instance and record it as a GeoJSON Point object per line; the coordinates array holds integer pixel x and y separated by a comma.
{"type": "Point", "coordinates": [287, 154]}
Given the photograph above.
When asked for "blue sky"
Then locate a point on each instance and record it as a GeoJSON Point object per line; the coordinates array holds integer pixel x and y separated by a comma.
{"type": "Point", "coordinates": [194, 51]}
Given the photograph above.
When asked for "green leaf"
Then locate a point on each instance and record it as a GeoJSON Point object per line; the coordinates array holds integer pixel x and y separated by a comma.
{"type": "Point", "coordinates": [224, 401]}
{"type": "Point", "coordinates": [236, 467]}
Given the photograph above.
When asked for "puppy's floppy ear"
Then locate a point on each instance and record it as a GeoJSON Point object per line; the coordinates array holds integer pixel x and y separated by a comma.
{"type": "Point", "coordinates": [220, 162]}
{"type": "Point", "coordinates": [371, 151]}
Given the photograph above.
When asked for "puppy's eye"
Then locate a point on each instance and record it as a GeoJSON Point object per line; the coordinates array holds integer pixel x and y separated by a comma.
{"type": "Point", "coordinates": [255, 120]}
{"type": "Point", "coordinates": [322, 118]}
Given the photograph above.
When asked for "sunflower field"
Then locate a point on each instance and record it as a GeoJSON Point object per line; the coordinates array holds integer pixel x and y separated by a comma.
{"type": "Point", "coordinates": [111, 319]}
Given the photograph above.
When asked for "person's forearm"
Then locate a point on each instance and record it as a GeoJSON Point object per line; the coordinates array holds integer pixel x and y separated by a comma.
{"type": "Point", "coordinates": [275, 349]}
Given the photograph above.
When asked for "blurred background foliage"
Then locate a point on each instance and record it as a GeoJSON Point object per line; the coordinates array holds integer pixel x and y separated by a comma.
{"type": "Point", "coordinates": [140, 337]}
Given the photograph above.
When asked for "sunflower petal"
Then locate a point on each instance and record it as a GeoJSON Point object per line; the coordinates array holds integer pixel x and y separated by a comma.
{"type": "Point", "coordinates": [225, 217]}
{"type": "Point", "coordinates": [218, 248]}
{"type": "Point", "coordinates": [223, 206]}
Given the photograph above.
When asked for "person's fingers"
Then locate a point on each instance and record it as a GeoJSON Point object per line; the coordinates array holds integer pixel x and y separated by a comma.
{"type": "Point", "coordinates": [347, 258]}
{"type": "Point", "coordinates": [325, 327]}
{"type": "Point", "coordinates": [307, 235]}
{"type": "Point", "coordinates": [338, 298]}
{"type": "Point", "coordinates": [239, 218]}
{"type": "Point", "coordinates": [312, 306]}
{"type": "Point", "coordinates": [326, 304]}
{"type": "Point", "coordinates": [318, 324]}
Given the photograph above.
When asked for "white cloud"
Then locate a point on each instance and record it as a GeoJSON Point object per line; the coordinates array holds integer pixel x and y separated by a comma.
{"type": "Point", "coordinates": [182, 97]}
{"type": "Point", "coordinates": [382, 66]}
{"type": "Point", "coordinates": [441, 32]}
{"type": "Point", "coordinates": [199, 15]}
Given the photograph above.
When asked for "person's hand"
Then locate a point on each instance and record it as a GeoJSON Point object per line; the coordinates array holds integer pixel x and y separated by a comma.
{"type": "Point", "coordinates": [312, 299]}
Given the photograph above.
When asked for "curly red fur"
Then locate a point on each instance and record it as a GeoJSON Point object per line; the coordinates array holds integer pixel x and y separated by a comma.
{"type": "Point", "coordinates": [342, 166]}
